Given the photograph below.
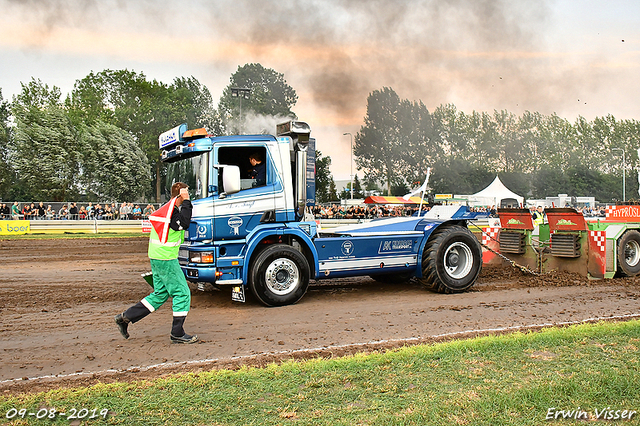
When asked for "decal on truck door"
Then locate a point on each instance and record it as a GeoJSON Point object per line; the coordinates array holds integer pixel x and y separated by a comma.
{"type": "Point", "coordinates": [235, 223]}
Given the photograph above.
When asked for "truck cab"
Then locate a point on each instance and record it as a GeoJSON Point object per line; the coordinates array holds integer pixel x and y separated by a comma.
{"type": "Point", "coordinates": [255, 234]}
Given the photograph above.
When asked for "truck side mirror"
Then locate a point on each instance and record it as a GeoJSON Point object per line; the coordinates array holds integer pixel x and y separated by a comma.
{"type": "Point", "coordinates": [230, 180]}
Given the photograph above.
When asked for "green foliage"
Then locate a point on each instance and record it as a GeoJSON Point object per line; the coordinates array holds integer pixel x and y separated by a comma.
{"type": "Point", "coordinates": [535, 155]}
{"type": "Point", "coordinates": [7, 176]}
{"type": "Point", "coordinates": [509, 379]}
{"type": "Point", "coordinates": [143, 108]}
{"type": "Point", "coordinates": [270, 96]}
{"type": "Point", "coordinates": [379, 144]}
{"type": "Point", "coordinates": [45, 149]}
{"type": "Point", "coordinates": [324, 180]}
{"type": "Point", "coordinates": [357, 189]}
{"type": "Point", "coordinates": [114, 166]}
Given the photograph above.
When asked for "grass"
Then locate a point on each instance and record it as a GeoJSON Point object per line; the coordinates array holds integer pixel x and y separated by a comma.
{"type": "Point", "coordinates": [497, 380]}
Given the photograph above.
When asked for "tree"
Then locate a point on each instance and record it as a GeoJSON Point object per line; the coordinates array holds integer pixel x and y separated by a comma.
{"type": "Point", "coordinates": [143, 108]}
{"type": "Point", "coordinates": [270, 96]}
{"type": "Point", "coordinates": [6, 171]}
{"type": "Point", "coordinates": [114, 166]}
{"type": "Point", "coordinates": [46, 154]}
{"type": "Point", "coordinates": [378, 145]}
{"type": "Point", "coordinates": [324, 180]}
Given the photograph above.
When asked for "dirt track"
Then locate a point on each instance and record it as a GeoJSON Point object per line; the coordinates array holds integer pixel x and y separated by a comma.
{"type": "Point", "coordinates": [58, 299]}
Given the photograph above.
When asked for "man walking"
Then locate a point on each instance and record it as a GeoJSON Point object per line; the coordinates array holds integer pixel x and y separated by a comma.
{"type": "Point", "coordinates": [167, 233]}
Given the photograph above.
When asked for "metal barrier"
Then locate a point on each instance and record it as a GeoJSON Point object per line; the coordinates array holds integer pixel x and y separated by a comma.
{"type": "Point", "coordinates": [133, 226]}
{"type": "Point", "coordinates": [88, 226]}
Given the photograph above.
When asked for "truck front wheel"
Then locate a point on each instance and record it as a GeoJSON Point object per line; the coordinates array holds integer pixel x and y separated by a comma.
{"type": "Point", "coordinates": [629, 253]}
{"type": "Point", "coordinates": [279, 275]}
{"type": "Point", "coordinates": [452, 260]}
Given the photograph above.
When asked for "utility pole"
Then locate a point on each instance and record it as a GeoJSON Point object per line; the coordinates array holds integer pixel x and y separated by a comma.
{"type": "Point", "coordinates": [240, 92]}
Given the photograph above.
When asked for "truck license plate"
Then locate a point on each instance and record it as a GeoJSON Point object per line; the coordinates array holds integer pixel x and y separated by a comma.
{"type": "Point", "coordinates": [237, 293]}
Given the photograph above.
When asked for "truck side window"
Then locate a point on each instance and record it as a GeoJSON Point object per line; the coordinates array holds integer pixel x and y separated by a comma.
{"type": "Point", "coordinates": [251, 160]}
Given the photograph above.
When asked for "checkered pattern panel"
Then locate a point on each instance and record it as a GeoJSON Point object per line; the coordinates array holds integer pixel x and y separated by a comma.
{"type": "Point", "coordinates": [599, 238]}
{"type": "Point", "coordinates": [608, 211]}
{"type": "Point", "coordinates": [489, 234]}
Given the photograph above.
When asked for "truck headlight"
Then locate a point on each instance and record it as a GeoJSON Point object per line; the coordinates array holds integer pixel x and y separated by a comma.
{"type": "Point", "coordinates": [201, 257]}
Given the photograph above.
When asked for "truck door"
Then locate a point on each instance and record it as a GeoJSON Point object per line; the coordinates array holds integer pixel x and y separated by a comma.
{"type": "Point", "coordinates": [236, 215]}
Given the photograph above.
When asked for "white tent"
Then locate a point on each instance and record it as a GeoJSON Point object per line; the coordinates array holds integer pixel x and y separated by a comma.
{"type": "Point", "coordinates": [493, 194]}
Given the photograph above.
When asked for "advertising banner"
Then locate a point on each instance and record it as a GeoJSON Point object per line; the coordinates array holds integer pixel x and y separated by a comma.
{"type": "Point", "coordinates": [15, 227]}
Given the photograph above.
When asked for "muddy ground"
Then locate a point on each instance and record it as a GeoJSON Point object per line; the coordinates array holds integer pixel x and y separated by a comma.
{"type": "Point", "coordinates": [58, 299]}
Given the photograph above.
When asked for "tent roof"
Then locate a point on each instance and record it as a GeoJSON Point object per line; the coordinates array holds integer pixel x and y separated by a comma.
{"type": "Point", "coordinates": [497, 192]}
{"type": "Point", "coordinates": [375, 199]}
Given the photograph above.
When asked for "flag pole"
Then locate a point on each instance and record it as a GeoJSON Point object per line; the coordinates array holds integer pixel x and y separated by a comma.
{"type": "Point", "coordinates": [424, 189]}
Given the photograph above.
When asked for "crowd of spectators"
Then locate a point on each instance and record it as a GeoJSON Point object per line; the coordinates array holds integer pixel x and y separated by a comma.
{"type": "Point", "coordinates": [335, 211]}
{"type": "Point", "coordinates": [73, 211]}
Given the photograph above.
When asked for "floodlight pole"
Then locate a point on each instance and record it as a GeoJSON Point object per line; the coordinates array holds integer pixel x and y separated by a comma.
{"type": "Point", "coordinates": [240, 92]}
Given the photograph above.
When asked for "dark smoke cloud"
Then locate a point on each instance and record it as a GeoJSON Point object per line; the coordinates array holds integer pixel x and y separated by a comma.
{"type": "Point", "coordinates": [431, 50]}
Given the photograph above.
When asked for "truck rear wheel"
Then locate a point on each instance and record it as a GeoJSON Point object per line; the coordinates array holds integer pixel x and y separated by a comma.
{"type": "Point", "coordinates": [452, 260]}
{"type": "Point", "coordinates": [279, 275]}
{"type": "Point", "coordinates": [629, 253]}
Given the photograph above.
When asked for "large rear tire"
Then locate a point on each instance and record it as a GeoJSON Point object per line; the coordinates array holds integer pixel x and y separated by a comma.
{"type": "Point", "coordinates": [629, 253]}
{"type": "Point", "coordinates": [452, 260]}
{"type": "Point", "coordinates": [279, 275]}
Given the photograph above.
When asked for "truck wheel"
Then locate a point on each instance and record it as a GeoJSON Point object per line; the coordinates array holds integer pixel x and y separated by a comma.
{"type": "Point", "coordinates": [401, 277]}
{"type": "Point", "coordinates": [629, 253]}
{"type": "Point", "coordinates": [279, 275]}
{"type": "Point", "coordinates": [452, 260]}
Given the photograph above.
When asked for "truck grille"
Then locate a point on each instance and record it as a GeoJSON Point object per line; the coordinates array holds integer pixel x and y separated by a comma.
{"type": "Point", "coordinates": [512, 242]}
{"type": "Point", "coordinates": [565, 245]}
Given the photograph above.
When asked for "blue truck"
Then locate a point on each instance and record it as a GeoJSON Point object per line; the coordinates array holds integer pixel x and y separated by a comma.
{"type": "Point", "coordinates": [258, 236]}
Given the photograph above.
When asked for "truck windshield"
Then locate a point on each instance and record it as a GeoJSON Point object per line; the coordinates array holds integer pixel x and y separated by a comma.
{"type": "Point", "coordinates": [193, 171]}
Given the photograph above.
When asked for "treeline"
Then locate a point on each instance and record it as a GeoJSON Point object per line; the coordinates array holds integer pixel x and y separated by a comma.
{"type": "Point", "coordinates": [535, 155]}
{"type": "Point", "coordinates": [100, 142]}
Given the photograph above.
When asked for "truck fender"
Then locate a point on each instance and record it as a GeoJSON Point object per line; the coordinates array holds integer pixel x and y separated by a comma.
{"type": "Point", "coordinates": [428, 229]}
{"type": "Point", "coordinates": [254, 240]}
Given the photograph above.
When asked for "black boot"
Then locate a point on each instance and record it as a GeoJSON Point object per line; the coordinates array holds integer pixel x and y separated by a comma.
{"type": "Point", "coordinates": [177, 332]}
{"type": "Point", "coordinates": [136, 312]}
{"type": "Point", "coordinates": [133, 314]}
{"type": "Point", "coordinates": [123, 324]}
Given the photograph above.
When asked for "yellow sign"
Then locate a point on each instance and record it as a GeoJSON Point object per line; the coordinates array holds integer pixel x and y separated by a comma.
{"type": "Point", "coordinates": [15, 227]}
{"type": "Point", "coordinates": [443, 196]}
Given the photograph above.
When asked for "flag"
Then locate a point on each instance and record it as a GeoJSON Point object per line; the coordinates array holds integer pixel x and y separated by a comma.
{"type": "Point", "coordinates": [161, 219]}
{"type": "Point", "coordinates": [422, 189]}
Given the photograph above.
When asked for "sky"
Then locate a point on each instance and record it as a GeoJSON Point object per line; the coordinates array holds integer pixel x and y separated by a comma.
{"type": "Point", "coordinates": [572, 58]}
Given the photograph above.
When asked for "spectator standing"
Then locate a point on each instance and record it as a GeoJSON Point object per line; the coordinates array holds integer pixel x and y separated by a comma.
{"type": "Point", "coordinates": [26, 211]}
{"type": "Point", "coordinates": [41, 211]}
{"type": "Point", "coordinates": [147, 211]}
{"type": "Point", "coordinates": [137, 213]}
{"type": "Point", "coordinates": [63, 213]}
{"type": "Point", "coordinates": [82, 213]}
{"type": "Point", "coordinates": [108, 214]}
{"type": "Point", "coordinates": [15, 211]}
{"type": "Point", "coordinates": [73, 211]}
{"type": "Point", "coordinates": [99, 212]}
{"type": "Point", "coordinates": [128, 209]}
{"type": "Point", "coordinates": [123, 211]}
{"type": "Point", "coordinates": [49, 213]}
{"type": "Point", "coordinates": [114, 211]}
